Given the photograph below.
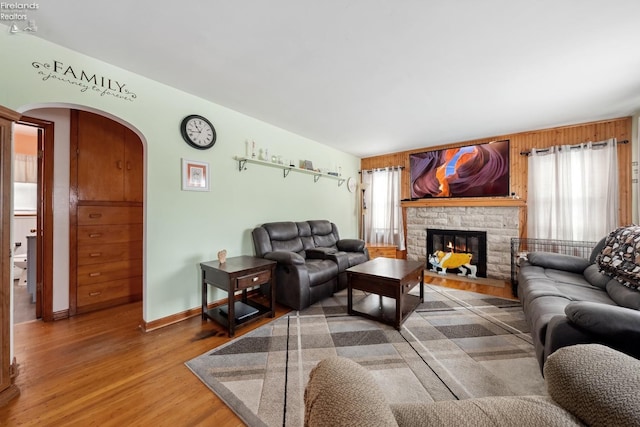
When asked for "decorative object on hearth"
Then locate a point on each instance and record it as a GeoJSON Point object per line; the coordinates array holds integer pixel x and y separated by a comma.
{"type": "Point", "coordinates": [441, 261]}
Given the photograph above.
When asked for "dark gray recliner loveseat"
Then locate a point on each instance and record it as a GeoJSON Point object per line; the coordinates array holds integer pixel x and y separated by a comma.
{"type": "Point", "coordinates": [570, 300]}
{"type": "Point", "coordinates": [311, 257]}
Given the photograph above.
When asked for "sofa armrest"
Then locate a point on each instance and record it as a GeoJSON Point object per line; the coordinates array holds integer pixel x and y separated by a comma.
{"type": "Point", "coordinates": [606, 320]}
{"type": "Point", "coordinates": [340, 392]}
{"type": "Point", "coordinates": [350, 245]}
{"type": "Point", "coordinates": [320, 252]}
{"type": "Point", "coordinates": [285, 257]}
{"type": "Point", "coordinates": [595, 383]}
{"type": "Point", "coordinates": [556, 261]}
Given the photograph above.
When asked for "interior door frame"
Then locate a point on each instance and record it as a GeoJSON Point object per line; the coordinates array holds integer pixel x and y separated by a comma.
{"type": "Point", "coordinates": [44, 228]}
{"type": "Point", "coordinates": [8, 371]}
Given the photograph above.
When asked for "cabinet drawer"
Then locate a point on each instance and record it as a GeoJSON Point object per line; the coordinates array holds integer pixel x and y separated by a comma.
{"type": "Point", "coordinates": [98, 273]}
{"type": "Point", "coordinates": [92, 234]}
{"type": "Point", "coordinates": [109, 252]}
{"type": "Point", "coordinates": [89, 215]}
{"type": "Point", "coordinates": [101, 292]}
{"type": "Point", "coordinates": [254, 279]}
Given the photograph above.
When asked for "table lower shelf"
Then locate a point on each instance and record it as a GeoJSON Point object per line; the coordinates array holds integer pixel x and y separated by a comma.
{"type": "Point", "coordinates": [383, 309]}
{"type": "Point", "coordinates": [219, 313]}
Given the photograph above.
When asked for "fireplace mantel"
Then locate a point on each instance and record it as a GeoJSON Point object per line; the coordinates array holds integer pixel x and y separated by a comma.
{"type": "Point", "coordinates": [471, 201]}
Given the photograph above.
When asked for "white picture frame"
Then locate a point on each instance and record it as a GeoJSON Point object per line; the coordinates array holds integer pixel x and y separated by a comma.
{"type": "Point", "coordinates": [195, 175]}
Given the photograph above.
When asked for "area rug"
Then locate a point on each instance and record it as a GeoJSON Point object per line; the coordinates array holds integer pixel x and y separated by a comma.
{"type": "Point", "coordinates": [456, 345]}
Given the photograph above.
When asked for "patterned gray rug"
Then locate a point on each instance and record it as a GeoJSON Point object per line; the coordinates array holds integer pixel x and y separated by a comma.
{"type": "Point", "coordinates": [456, 345]}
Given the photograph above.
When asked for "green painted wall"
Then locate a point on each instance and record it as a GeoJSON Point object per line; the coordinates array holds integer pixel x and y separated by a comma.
{"type": "Point", "coordinates": [182, 228]}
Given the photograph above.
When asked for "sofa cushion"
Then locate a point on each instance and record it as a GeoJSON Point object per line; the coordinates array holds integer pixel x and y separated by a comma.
{"type": "Point", "coordinates": [584, 293]}
{"type": "Point", "coordinates": [595, 276]}
{"type": "Point", "coordinates": [622, 295]}
{"type": "Point", "coordinates": [562, 276]}
{"type": "Point", "coordinates": [321, 271]}
{"type": "Point", "coordinates": [323, 235]}
{"type": "Point", "coordinates": [284, 236]}
{"type": "Point", "coordinates": [557, 261]}
{"type": "Point", "coordinates": [620, 256]}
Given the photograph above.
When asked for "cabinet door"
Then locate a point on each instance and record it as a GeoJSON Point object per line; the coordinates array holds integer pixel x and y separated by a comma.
{"type": "Point", "coordinates": [100, 158]}
{"type": "Point", "coordinates": [133, 167]}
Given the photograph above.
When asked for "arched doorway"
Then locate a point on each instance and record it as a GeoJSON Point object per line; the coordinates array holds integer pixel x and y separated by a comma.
{"type": "Point", "coordinates": [62, 284]}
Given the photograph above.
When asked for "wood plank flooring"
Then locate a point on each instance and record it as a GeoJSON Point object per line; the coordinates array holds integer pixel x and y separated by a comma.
{"type": "Point", "coordinates": [101, 369]}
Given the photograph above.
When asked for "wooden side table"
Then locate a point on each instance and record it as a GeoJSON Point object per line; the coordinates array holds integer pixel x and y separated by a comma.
{"type": "Point", "coordinates": [238, 274]}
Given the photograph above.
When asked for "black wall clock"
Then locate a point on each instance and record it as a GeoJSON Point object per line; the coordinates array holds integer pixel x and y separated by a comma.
{"type": "Point", "coordinates": [198, 132]}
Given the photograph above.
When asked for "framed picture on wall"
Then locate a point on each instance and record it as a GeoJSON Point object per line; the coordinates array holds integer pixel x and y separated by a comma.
{"type": "Point", "coordinates": [195, 175]}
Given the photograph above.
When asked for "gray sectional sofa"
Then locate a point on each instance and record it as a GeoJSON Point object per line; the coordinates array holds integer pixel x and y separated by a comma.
{"type": "Point", "coordinates": [312, 259]}
{"type": "Point", "coordinates": [571, 300]}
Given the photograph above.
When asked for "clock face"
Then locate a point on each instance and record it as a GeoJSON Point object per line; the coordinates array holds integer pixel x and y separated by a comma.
{"type": "Point", "coordinates": [198, 132]}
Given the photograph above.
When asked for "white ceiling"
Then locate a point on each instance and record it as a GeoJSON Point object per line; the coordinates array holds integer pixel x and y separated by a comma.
{"type": "Point", "coordinates": [374, 76]}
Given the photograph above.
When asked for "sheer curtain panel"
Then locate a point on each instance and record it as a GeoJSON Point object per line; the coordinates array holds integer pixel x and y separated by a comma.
{"type": "Point", "coordinates": [382, 211]}
{"type": "Point", "coordinates": [573, 191]}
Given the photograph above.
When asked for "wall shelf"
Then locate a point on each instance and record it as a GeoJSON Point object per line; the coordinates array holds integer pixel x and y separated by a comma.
{"type": "Point", "coordinates": [242, 165]}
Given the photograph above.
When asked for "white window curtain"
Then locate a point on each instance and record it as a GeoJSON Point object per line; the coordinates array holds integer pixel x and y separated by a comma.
{"type": "Point", "coordinates": [382, 210]}
{"type": "Point", "coordinates": [25, 168]}
{"type": "Point", "coordinates": [573, 191]}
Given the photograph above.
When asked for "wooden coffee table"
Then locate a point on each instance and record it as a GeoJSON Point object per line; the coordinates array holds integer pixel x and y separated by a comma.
{"type": "Point", "coordinates": [388, 281]}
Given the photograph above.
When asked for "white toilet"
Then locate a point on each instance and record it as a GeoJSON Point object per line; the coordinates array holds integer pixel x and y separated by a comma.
{"type": "Point", "coordinates": [20, 268]}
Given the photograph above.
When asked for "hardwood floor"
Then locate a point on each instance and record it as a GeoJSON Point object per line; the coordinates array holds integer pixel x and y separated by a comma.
{"type": "Point", "coordinates": [100, 369]}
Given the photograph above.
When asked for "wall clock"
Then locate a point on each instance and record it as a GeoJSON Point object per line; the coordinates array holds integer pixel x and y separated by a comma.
{"type": "Point", "coordinates": [351, 185]}
{"type": "Point", "coordinates": [198, 132]}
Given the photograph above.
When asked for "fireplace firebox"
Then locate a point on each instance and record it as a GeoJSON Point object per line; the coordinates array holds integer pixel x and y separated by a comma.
{"type": "Point", "coordinates": [458, 242]}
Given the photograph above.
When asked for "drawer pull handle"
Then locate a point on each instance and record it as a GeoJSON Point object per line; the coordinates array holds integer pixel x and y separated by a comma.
{"type": "Point", "coordinates": [94, 274]}
{"type": "Point", "coordinates": [95, 215]}
{"type": "Point", "coordinates": [96, 254]}
{"type": "Point", "coordinates": [92, 235]}
{"type": "Point", "coordinates": [94, 294]}
{"type": "Point", "coordinates": [255, 279]}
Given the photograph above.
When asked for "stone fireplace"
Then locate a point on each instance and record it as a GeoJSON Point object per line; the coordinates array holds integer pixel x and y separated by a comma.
{"type": "Point", "coordinates": [460, 241]}
{"type": "Point", "coordinates": [500, 223]}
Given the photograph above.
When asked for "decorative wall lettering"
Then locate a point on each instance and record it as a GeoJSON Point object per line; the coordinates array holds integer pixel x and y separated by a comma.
{"type": "Point", "coordinates": [83, 80]}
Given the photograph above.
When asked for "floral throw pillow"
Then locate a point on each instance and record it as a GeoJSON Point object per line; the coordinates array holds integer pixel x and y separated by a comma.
{"type": "Point", "coordinates": [620, 256]}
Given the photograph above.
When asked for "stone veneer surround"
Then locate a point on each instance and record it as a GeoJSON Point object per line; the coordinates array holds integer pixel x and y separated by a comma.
{"type": "Point", "coordinates": [501, 224]}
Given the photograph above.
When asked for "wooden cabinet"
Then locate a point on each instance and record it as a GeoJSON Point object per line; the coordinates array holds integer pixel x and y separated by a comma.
{"type": "Point", "coordinates": [107, 218]}
{"type": "Point", "coordinates": [379, 250]}
{"type": "Point", "coordinates": [109, 160]}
